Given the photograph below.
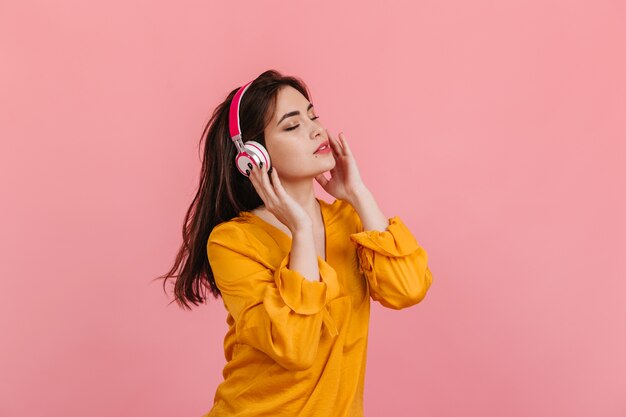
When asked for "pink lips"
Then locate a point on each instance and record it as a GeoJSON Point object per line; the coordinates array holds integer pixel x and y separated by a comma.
{"type": "Point", "coordinates": [327, 144]}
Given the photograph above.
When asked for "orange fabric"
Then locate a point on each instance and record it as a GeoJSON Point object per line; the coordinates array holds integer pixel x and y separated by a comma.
{"type": "Point", "coordinates": [297, 347]}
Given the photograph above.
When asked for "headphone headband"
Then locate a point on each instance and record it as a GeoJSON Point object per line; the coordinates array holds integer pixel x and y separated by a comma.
{"type": "Point", "coordinates": [233, 115]}
{"type": "Point", "coordinates": [251, 152]}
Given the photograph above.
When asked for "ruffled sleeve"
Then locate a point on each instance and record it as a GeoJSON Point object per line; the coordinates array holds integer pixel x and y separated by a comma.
{"type": "Point", "coordinates": [276, 309]}
{"type": "Point", "coordinates": [395, 265]}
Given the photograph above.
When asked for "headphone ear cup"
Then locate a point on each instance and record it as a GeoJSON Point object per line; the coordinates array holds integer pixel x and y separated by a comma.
{"type": "Point", "coordinates": [254, 153]}
{"type": "Point", "coordinates": [257, 150]}
{"type": "Point", "coordinates": [244, 161]}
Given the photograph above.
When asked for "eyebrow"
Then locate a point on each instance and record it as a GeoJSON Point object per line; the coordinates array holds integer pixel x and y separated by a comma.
{"type": "Point", "coordinates": [293, 113]}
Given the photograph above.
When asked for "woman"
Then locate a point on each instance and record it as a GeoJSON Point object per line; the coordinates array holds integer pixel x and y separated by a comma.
{"type": "Point", "coordinates": [295, 273]}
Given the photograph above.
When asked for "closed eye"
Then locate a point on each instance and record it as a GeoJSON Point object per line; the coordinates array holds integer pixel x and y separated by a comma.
{"type": "Point", "coordinates": [294, 127]}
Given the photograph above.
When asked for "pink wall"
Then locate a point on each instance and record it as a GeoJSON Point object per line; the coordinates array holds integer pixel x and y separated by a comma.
{"type": "Point", "coordinates": [514, 111]}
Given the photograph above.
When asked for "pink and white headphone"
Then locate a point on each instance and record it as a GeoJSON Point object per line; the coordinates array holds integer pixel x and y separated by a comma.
{"type": "Point", "coordinates": [251, 152]}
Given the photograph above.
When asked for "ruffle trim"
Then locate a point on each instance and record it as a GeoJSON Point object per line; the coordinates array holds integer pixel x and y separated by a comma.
{"type": "Point", "coordinates": [303, 295]}
{"type": "Point", "coordinates": [397, 240]}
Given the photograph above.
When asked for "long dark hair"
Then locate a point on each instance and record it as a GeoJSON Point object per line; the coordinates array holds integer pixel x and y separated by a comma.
{"type": "Point", "coordinates": [223, 191]}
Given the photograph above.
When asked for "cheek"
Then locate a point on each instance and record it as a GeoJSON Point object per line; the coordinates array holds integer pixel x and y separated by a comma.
{"type": "Point", "coordinates": [293, 154]}
{"type": "Point", "coordinates": [291, 157]}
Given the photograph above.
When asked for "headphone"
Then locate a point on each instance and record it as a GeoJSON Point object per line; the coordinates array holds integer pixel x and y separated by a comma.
{"type": "Point", "coordinates": [250, 152]}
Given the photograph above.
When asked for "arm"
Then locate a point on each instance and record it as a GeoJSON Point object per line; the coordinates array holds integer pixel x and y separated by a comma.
{"type": "Point", "coordinates": [393, 262]}
{"type": "Point", "coordinates": [303, 257]}
{"type": "Point", "coordinates": [276, 309]}
{"type": "Point", "coordinates": [370, 215]}
{"type": "Point", "coordinates": [389, 256]}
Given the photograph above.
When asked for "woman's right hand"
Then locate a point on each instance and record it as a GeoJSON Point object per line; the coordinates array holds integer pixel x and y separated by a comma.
{"type": "Point", "coordinates": [277, 201]}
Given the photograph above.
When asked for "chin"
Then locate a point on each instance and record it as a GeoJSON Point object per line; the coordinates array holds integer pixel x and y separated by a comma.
{"type": "Point", "coordinates": [328, 165]}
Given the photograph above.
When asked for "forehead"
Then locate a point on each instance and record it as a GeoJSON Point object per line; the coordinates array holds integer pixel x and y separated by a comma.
{"type": "Point", "coordinates": [289, 99]}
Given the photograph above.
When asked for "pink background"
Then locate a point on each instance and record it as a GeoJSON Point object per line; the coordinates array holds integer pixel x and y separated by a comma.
{"type": "Point", "coordinates": [496, 130]}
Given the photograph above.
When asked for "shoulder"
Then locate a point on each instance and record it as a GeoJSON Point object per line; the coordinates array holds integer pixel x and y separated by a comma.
{"type": "Point", "coordinates": [245, 238]}
{"type": "Point", "coordinates": [233, 231]}
{"type": "Point", "coordinates": [338, 206]}
{"type": "Point", "coordinates": [240, 232]}
{"type": "Point", "coordinates": [343, 212]}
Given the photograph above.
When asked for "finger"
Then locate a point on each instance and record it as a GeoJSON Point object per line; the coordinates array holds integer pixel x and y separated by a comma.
{"type": "Point", "coordinates": [263, 184]}
{"type": "Point", "coordinates": [344, 144]}
{"type": "Point", "coordinates": [321, 178]}
{"type": "Point", "coordinates": [259, 190]}
{"type": "Point", "coordinates": [337, 146]}
{"type": "Point", "coordinates": [258, 186]}
{"type": "Point", "coordinates": [333, 143]}
{"type": "Point", "coordinates": [278, 186]}
{"type": "Point", "coordinates": [268, 186]}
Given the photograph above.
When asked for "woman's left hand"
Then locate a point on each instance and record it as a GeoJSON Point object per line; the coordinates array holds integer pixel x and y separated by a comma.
{"type": "Point", "coordinates": [345, 182]}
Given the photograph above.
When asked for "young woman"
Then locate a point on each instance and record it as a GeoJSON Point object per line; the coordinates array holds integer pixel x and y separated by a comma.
{"type": "Point", "coordinates": [295, 273]}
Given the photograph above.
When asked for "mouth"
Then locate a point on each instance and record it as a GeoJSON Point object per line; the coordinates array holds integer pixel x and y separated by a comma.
{"type": "Point", "coordinates": [324, 146]}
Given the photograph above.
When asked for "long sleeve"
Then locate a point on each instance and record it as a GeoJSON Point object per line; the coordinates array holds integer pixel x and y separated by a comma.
{"type": "Point", "coordinates": [395, 265]}
{"type": "Point", "coordinates": [276, 310]}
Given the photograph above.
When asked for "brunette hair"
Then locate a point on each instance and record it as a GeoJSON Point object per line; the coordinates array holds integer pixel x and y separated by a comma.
{"type": "Point", "coordinates": [223, 191]}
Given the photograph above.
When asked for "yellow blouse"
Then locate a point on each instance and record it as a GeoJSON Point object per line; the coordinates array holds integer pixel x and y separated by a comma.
{"type": "Point", "coordinates": [297, 347]}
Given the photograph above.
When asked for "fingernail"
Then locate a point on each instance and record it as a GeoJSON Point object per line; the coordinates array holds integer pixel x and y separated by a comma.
{"type": "Point", "coordinates": [249, 165]}
{"type": "Point", "coordinates": [261, 164]}
{"type": "Point", "coordinates": [247, 171]}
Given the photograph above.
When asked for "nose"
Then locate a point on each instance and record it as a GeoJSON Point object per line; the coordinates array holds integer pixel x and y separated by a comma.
{"type": "Point", "coordinates": [317, 131]}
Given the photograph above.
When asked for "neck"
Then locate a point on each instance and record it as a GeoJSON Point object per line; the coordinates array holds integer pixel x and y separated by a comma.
{"type": "Point", "coordinates": [302, 191]}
